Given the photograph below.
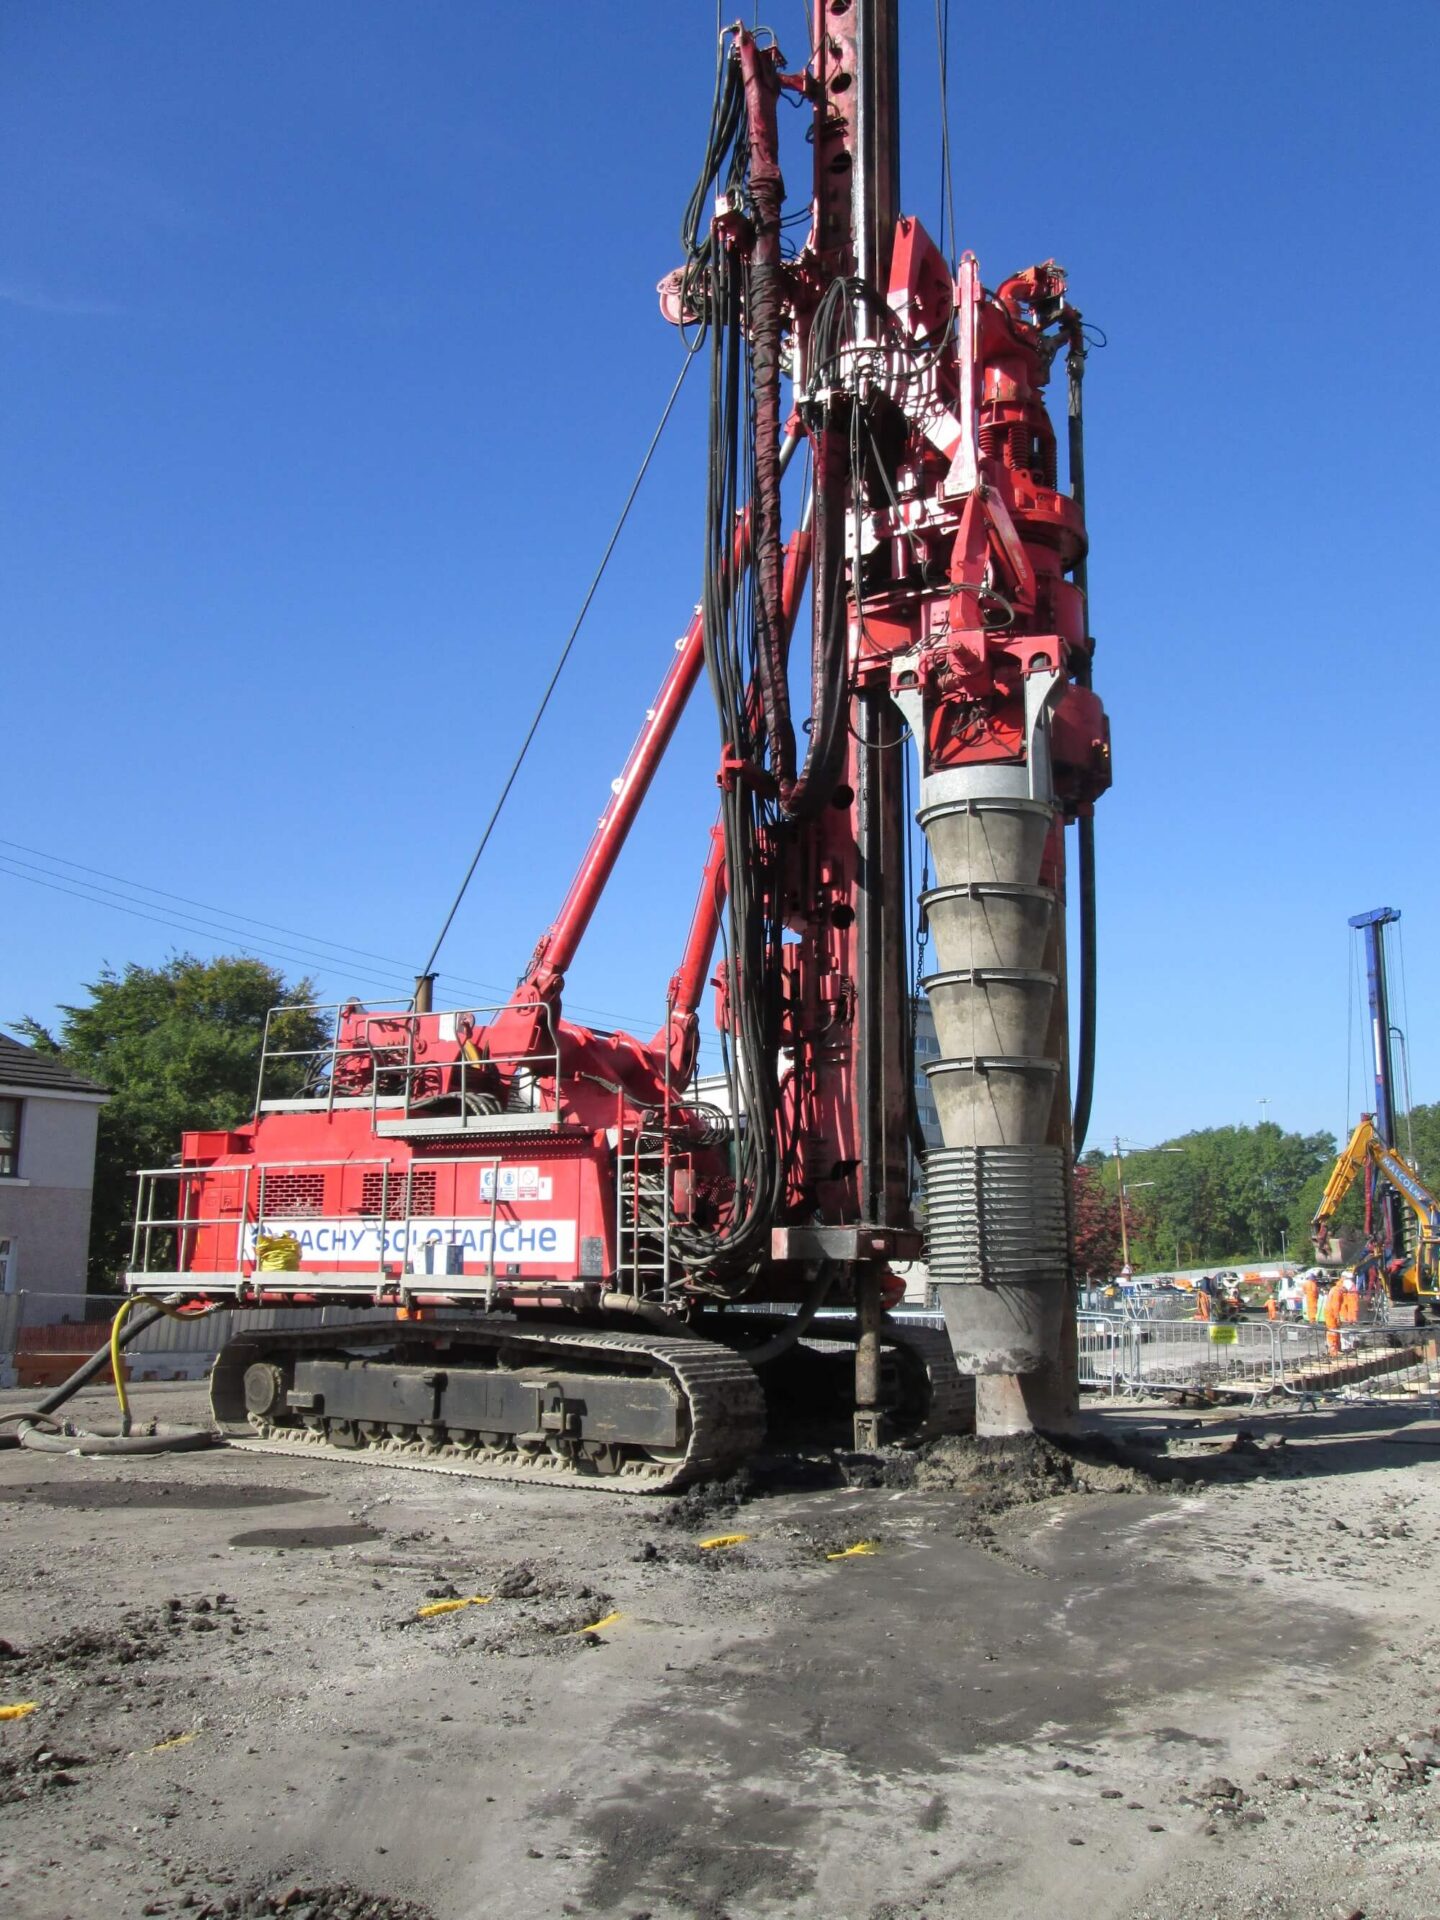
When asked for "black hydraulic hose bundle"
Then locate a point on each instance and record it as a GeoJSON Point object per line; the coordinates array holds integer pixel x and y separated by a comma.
{"type": "Point", "coordinates": [1085, 826]}
{"type": "Point", "coordinates": [764, 313]}
{"type": "Point", "coordinates": [803, 797]}
{"type": "Point", "coordinates": [716, 289]}
{"type": "Point", "coordinates": [739, 303]}
{"type": "Point", "coordinates": [1085, 1048]}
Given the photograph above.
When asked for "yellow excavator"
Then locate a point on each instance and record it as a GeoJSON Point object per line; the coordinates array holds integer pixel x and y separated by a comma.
{"type": "Point", "coordinates": [1409, 1273]}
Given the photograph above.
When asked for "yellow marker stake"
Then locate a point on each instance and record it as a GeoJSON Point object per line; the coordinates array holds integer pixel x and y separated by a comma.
{"type": "Point", "coordinates": [452, 1606]}
{"type": "Point", "coordinates": [722, 1540]}
{"type": "Point", "coordinates": [19, 1710]}
{"type": "Point", "coordinates": [180, 1740]}
{"type": "Point", "coordinates": [850, 1553]}
{"type": "Point", "coordinates": [595, 1625]}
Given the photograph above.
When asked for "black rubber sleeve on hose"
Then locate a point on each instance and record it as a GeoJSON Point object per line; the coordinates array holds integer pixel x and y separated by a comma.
{"type": "Point", "coordinates": [1085, 1049]}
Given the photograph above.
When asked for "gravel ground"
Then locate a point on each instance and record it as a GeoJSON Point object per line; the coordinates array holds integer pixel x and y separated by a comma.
{"type": "Point", "coordinates": [1185, 1670]}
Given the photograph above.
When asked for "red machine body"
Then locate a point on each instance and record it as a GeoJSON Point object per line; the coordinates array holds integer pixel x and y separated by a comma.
{"type": "Point", "coordinates": [383, 1188]}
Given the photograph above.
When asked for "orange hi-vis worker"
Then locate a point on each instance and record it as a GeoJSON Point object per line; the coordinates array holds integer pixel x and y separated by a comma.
{"type": "Point", "coordinates": [1334, 1305]}
{"type": "Point", "coordinates": [1349, 1300]}
{"type": "Point", "coordinates": [1202, 1304]}
{"type": "Point", "coordinates": [1272, 1308]}
{"type": "Point", "coordinates": [1310, 1297]}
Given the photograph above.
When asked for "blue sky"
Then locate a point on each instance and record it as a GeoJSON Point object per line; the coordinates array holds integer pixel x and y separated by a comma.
{"type": "Point", "coordinates": [329, 348]}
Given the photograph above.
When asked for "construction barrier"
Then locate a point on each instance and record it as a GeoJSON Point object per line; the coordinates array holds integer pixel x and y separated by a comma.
{"type": "Point", "coordinates": [1101, 1340]}
{"type": "Point", "coordinates": [1247, 1359]}
{"type": "Point", "coordinates": [1208, 1358]}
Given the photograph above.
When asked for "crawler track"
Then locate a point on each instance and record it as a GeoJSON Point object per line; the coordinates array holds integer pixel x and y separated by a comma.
{"type": "Point", "coordinates": [722, 1420]}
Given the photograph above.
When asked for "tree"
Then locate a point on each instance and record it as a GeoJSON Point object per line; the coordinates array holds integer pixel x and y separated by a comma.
{"type": "Point", "coordinates": [1226, 1193]}
{"type": "Point", "coordinates": [178, 1047]}
{"type": "Point", "coordinates": [1099, 1240]}
{"type": "Point", "coordinates": [1097, 1226]}
{"type": "Point", "coordinates": [1420, 1130]}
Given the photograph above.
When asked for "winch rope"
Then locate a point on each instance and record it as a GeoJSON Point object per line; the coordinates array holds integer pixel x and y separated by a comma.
{"type": "Point", "coordinates": [565, 652]}
{"type": "Point", "coordinates": [947, 176]}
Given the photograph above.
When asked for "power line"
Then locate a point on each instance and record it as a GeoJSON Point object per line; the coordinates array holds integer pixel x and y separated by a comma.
{"type": "Point", "coordinates": [205, 906]}
{"type": "Point", "coordinates": [398, 985]}
{"type": "Point", "coordinates": [245, 942]}
{"type": "Point", "coordinates": [106, 896]}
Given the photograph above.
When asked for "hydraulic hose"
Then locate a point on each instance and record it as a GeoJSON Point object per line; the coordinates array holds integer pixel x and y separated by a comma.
{"type": "Point", "coordinates": [650, 1311]}
{"type": "Point", "coordinates": [86, 1371]}
{"type": "Point", "coordinates": [764, 313]}
{"type": "Point", "coordinates": [803, 798]}
{"type": "Point", "coordinates": [162, 1440]}
{"type": "Point", "coordinates": [1085, 1048]}
{"type": "Point", "coordinates": [1085, 848]}
{"type": "Point", "coordinates": [131, 1321]}
{"type": "Point", "coordinates": [788, 1335]}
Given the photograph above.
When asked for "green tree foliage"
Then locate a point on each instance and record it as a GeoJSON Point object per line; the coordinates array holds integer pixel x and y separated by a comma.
{"type": "Point", "coordinates": [178, 1047]}
{"type": "Point", "coordinates": [1420, 1142]}
{"type": "Point", "coordinates": [1218, 1194]}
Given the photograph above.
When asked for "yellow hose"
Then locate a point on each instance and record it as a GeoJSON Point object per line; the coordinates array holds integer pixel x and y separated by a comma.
{"type": "Point", "coordinates": [117, 1365]}
{"type": "Point", "coordinates": [278, 1253]}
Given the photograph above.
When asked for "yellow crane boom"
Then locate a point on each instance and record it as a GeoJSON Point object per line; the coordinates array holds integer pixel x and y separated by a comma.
{"type": "Point", "coordinates": [1418, 1276]}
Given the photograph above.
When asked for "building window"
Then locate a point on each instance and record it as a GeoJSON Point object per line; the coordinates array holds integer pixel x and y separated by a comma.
{"type": "Point", "coordinates": [9, 1138]}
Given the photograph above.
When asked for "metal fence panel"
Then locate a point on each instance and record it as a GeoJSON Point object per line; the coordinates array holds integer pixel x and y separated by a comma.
{"type": "Point", "coordinates": [1199, 1356]}
{"type": "Point", "coordinates": [1099, 1337]}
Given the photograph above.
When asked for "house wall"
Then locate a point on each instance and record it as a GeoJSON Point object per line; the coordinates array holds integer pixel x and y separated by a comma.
{"type": "Point", "coordinates": [45, 1209]}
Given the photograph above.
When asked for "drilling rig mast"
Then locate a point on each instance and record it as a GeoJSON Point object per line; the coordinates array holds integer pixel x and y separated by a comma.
{"type": "Point", "coordinates": [553, 1222]}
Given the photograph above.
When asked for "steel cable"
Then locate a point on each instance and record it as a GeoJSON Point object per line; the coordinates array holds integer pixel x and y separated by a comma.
{"type": "Point", "coordinates": [565, 652]}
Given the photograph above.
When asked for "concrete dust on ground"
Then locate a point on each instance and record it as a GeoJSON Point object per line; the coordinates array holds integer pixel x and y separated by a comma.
{"type": "Point", "coordinates": [1178, 1668]}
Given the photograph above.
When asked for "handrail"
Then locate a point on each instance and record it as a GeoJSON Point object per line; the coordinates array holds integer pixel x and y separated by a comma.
{"type": "Point", "coordinates": [406, 1025]}
{"type": "Point", "coordinates": [242, 1221]}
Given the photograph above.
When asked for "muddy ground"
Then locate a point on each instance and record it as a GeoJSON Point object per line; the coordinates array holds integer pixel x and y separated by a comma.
{"type": "Point", "coordinates": [1182, 1674]}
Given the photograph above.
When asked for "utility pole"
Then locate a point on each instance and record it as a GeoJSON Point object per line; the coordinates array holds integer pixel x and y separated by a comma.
{"type": "Point", "coordinates": [1120, 1185]}
{"type": "Point", "coordinates": [1372, 927]}
{"type": "Point", "coordinates": [1124, 1224]}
